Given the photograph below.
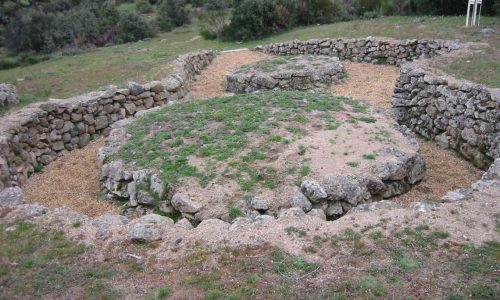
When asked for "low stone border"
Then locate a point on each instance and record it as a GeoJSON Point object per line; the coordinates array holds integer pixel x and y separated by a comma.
{"type": "Point", "coordinates": [8, 95]}
{"type": "Point", "coordinates": [370, 49]}
{"type": "Point", "coordinates": [291, 73]}
{"type": "Point", "coordinates": [38, 134]}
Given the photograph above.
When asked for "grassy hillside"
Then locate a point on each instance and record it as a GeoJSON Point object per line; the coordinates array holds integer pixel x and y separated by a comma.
{"type": "Point", "coordinates": [146, 60]}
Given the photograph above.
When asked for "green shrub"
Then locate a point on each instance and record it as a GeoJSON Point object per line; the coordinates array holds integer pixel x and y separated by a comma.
{"type": "Point", "coordinates": [172, 13]}
{"type": "Point", "coordinates": [212, 24]}
{"type": "Point", "coordinates": [143, 6]}
{"type": "Point", "coordinates": [133, 27]}
{"type": "Point", "coordinates": [8, 63]}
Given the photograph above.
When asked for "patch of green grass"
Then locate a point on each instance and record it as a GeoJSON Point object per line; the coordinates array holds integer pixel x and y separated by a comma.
{"type": "Point", "coordinates": [371, 286]}
{"type": "Point", "coordinates": [355, 120]}
{"type": "Point", "coordinates": [220, 131]}
{"type": "Point", "coordinates": [304, 171]}
{"type": "Point", "coordinates": [102, 291]}
{"type": "Point", "coordinates": [352, 164]}
{"type": "Point", "coordinates": [234, 212]}
{"type": "Point", "coordinates": [421, 238]}
{"type": "Point", "coordinates": [370, 156]}
{"type": "Point", "coordinates": [302, 150]}
{"type": "Point", "coordinates": [163, 292]}
{"type": "Point", "coordinates": [484, 291]}
{"type": "Point", "coordinates": [283, 265]}
{"type": "Point", "coordinates": [296, 231]}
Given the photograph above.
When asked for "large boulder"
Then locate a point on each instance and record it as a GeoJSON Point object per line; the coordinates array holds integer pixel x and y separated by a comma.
{"type": "Point", "coordinates": [182, 203]}
{"type": "Point", "coordinates": [149, 227]}
{"type": "Point", "coordinates": [8, 95]}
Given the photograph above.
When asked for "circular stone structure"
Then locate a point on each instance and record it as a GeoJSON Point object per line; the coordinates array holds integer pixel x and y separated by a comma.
{"type": "Point", "coordinates": [259, 153]}
{"type": "Point", "coordinates": [303, 72]}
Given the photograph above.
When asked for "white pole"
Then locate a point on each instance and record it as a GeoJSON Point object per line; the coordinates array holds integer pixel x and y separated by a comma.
{"type": "Point", "coordinates": [475, 12]}
{"type": "Point", "coordinates": [479, 17]}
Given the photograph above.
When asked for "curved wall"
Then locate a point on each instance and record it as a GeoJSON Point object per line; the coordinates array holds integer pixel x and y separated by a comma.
{"type": "Point", "coordinates": [38, 134]}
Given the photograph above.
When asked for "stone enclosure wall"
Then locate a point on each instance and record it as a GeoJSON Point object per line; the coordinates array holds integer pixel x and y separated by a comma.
{"type": "Point", "coordinates": [457, 113]}
{"type": "Point", "coordinates": [372, 50]}
{"type": "Point", "coordinates": [38, 134]}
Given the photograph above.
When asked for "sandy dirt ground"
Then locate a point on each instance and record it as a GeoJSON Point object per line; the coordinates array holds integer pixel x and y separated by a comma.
{"type": "Point", "coordinates": [73, 180]}
{"type": "Point", "coordinates": [374, 83]}
{"type": "Point", "coordinates": [212, 81]}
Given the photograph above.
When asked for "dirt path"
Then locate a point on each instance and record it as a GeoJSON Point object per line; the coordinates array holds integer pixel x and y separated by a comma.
{"type": "Point", "coordinates": [374, 83]}
{"type": "Point", "coordinates": [73, 181]}
{"type": "Point", "coordinates": [211, 82]}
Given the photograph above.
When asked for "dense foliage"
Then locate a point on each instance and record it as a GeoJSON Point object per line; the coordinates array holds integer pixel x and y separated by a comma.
{"type": "Point", "coordinates": [172, 13]}
{"type": "Point", "coordinates": [47, 26]}
{"type": "Point", "coordinates": [256, 18]}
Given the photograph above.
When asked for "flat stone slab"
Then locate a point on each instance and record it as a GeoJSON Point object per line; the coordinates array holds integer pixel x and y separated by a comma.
{"type": "Point", "coordinates": [301, 73]}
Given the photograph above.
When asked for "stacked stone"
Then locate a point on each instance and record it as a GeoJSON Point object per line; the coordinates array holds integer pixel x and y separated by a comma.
{"type": "Point", "coordinates": [337, 194]}
{"type": "Point", "coordinates": [38, 135]}
{"type": "Point", "coordinates": [297, 73]}
{"type": "Point", "coordinates": [372, 50]}
{"type": "Point", "coordinates": [457, 113]}
{"type": "Point", "coordinates": [8, 95]}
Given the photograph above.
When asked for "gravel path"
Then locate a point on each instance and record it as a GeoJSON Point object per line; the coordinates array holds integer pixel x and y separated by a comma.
{"type": "Point", "coordinates": [73, 181]}
{"type": "Point", "coordinates": [212, 81]}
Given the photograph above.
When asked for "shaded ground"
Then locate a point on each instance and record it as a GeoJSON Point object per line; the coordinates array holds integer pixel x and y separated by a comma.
{"type": "Point", "coordinates": [72, 181]}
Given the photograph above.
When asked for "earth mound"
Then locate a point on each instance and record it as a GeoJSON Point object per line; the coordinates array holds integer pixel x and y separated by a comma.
{"type": "Point", "coordinates": [303, 72]}
{"type": "Point", "coordinates": [258, 154]}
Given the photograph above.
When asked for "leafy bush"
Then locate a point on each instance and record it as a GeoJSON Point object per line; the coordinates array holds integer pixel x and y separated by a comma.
{"type": "Point", "coordinates": [132, 27]}
{"type": "Point", "coordinates": [60, 24]}
{"type": "Point", "coordinates": [143, 6]}
{"type": "Point", "coordinates": [172, 13]}
{"type": "Point", "coordinates": [212, 24]}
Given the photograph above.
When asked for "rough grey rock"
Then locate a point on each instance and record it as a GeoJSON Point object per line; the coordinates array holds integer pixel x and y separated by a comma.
{"type": "Point", "coordinates": [239, 223]}
{"type": "Point", "coordinates": [317, 213]}
{"type": "Point", "coordinates": [184, 223]}
{"type": "Point", "coordinates": [105, 223]}
{"type": "Point", "coordinates": [183, 204]}
{"type": "Point", "coordinates": [135, 88]}
{"type": "Point", "coordinates": [213, 224]}
{"type": "Point", "coordinates": [348, 188]}
{"type": "Point", "coordinates": [149, 227]}
{"type": "Point", "coordinates": [384, 204]}
{"type": "Point", "coordinates": [8, 95]}
{"type": "Point", "coordinates": [334, 209]}
{"type": "Point", "coordinates": [291, 212]}
{"type": "Point", "coordinates": [456, 195]}
{"type": "Point", "coordinates": [312, 190]}
{"type": "Point", "coordinates": [143, 197]}
{"type": "Point", "coordinates": [425, 206]}
{"type": "Point", "coordinates": [258, 203]}
{"type": "Point", "coordinates": [11, 197]}
{"type": "Point", "coordinates": [493, 172]}
{"type": "Point", "coordinates": [487, 31]}
{"type": "Point", "coordinates": [154, 86]}
{"type": "Point", "coordinates": [172, 83]}
{"type": "Point", "coordinates": [299, 200]}
{"type": "Point", "coordinates": [262, 219]}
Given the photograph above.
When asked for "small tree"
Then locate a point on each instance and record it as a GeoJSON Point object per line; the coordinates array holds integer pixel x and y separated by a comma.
{"type": "Point", "coordinates": [143, 6]}
{"type": "Point", "coordinates": [172, 13]}
{"type": "Point", "coordinates": [132, 27]}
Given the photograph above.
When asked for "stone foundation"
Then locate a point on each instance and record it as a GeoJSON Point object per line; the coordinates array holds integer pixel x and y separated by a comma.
{"type": "Point", "coordinates": [290, 73]}
{"type": "Point", "coordinates": [38, 134]}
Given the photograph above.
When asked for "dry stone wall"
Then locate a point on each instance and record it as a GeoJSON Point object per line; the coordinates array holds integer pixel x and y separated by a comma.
{"type": "Point", "coordinates": [8, 95]}
{"type": "Point", "coordinates": [370, 49]}
{"type": "Point", "coordinates": [457, 113]}
{"type": "Point", "coordinates": [38, 134]}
